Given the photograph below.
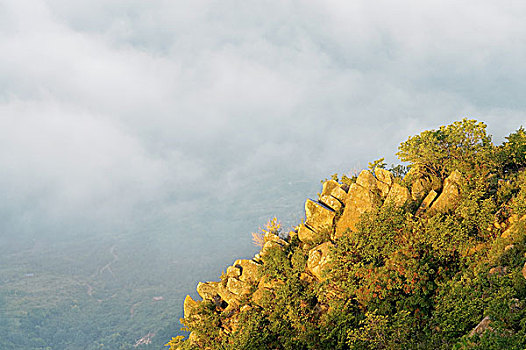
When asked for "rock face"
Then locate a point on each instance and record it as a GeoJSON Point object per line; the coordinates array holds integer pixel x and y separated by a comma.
{"type": "Point", "coordinates": [420, 188]}
{"type": "Point", "coordinates": [364, 196]}
{"type": "Point", "coordinates": [208, 290]}
{"type": "Point", "coordinates": [318, 216]}
{"type": "Point", "coordinates": [332, 195]}
{"type": "Point", "coordinates": [240, 280]}
{"type": "Point", "coordinates": [190, 307]}
{"type": "Point", "coordinates": [334, 189]}
{"type": "Point", "coordinates": [398, 196]}
{"type": "Point", "coordinates": [426, 203]}
{"type": "Point", "coordinates": [227, 295]}
{"type": "Point", "coordinates": [249, 270]}
{"type": "Point", "coordinates": [238, 287]}
{"type": "Point", "coordinates": [305, 234]}
{"type": "Point", "coordinates": [384, 182]}
{"type": "Point", "coordinates": [450, 195]}
{"type": "Point", "coordinates": [319, 259]}
{"type": "Point", "coordinates": [331, 202]}
{"type": "Point", "coordinates": [367, 180]}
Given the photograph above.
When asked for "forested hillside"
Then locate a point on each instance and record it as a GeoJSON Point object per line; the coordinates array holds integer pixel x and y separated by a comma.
{"type": "Point", "coordinates": [429, 256]}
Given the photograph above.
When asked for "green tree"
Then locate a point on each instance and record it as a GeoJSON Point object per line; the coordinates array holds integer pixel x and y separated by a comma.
{"type": "Point", "coordinates": [463, 145]}
{"type": "Point", "coordinates": [512, 153]}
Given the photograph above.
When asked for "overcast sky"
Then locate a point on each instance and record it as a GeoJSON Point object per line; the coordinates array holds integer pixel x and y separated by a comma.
{"type": "Point", "coordinates": [107, 106]}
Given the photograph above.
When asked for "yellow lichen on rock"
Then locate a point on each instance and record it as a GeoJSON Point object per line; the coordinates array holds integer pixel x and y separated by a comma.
{"type": "Point", "coordinates": [318, 216]}
{"type": "Point", "coordinates": [361, 199]}
{"type": "Point", "coordinates": [398, 196]}
{"type": "Point", "coordinates": [319, 258]}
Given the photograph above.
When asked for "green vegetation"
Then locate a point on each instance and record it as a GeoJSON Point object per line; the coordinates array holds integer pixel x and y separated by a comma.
{"type": "Point", "coordinates": [463, 146]}
{"type": "Point", "coordinates": [406, 278]}
{"type": "Point", "coordinates": [62, 297]}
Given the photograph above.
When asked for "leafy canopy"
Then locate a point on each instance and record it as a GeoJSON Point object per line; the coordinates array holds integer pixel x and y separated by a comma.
{"type": "Point", "coordinates": [463, 145]}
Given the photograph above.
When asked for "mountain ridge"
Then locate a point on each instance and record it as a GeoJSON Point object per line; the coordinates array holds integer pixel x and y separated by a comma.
{"type": "Point", "coordinates": [432, 257]}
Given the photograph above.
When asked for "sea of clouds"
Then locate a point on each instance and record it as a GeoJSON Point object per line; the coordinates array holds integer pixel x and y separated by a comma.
{"type": "Point", "coordinates": [115, 110]}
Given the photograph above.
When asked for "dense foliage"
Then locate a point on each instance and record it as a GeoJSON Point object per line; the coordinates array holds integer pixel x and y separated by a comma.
{"type": "Point", "coordinates": [404, 279]}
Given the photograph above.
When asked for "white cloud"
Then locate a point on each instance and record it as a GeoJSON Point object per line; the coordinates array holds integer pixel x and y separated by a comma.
{"type": "Point", "coordinates": [106, 106]}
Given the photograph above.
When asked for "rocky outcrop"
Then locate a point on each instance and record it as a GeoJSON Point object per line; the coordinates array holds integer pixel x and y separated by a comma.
{"type": "Point", "coordinates": [208, 290]}
{"type": "Point", "coordinates": [269, 245]}
{"type": "Point", "coordinates": [385, 181]}
{"type": "Point", "coordinates": [248, 270]}
{"type": "Point", "coordinates": [190, 307]}
{"type": "Point", "coordinates": [226, 295]}
{"type": "Point", "coordinates": [318, 216]}
{"type": "Point", "coordinates": [319, 258]}
{"type": "Point", "coordinates": [332, 195]}
{"type": "Point", "coordinates": [331, 202]}
{"type": "Point", "coordinates": [420, 188]}
{"type": "Point", "coordinates": [364, 196]}
{"type": "Point", "coordinates": [426, 203]}
{"type": "Point", "coordinates": [450, 195]}
{"type": "Point", "coordinates": [307, 235]}
{"type": "Point", "coordinates": [239, 282]}
{"type": "Point", "coordinates": [398, 196]}
{"type": "Point", "coordinates": [238, 287]}
{"type": "Point", "coordinates": [334, 189]}
{"type": "Point", "coordinates": [337, 212]}
{"type": "Point", "coordinates": [367, 180]}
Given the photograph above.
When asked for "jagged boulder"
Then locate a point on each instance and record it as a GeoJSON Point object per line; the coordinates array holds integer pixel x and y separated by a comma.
{"type": "Point", "coordinates": [190, 307]}
{"type": "Point", "coordinates": [398, 196]}
{"type": "Point", "coordinates": [307, 235]}
{"type": "Point", "coordinates": [363, 196]}
{"type": "Point", "coordinates": [208, 290]}
{"type": "Point", "coordinates": [233, 272]}
{"type": "Point", "coordinates": [331, 202]}
{"type": "Point", "coordinates": [238, 287]}
{"type": "Point", "coordinates": [367, 180]}
{"type": "Point", "coordinates": [333, 188]}
{"type": "Point", "coordinates": [318, 260]}
{"type": "Point", "coordinates": [426, 203]}
{"type": "Point", "coordinates": [450, 195]}
{"type": "Point", "coordinates": [384, 181]}
{"type": "Point", "coordinates": [420, 188]}
{"type": "Point", "coordinates": [227, 295]}
{"type": "Point", "coordinates": [272, 237]}
{"type": "Point", "coordinates": [249, 270]}
{"type": "Point", "coordinates": [318, 216]}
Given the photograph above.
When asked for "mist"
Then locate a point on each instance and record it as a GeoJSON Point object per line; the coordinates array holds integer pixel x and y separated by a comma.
{"type": "Point", "coordinates": [176, 129]}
